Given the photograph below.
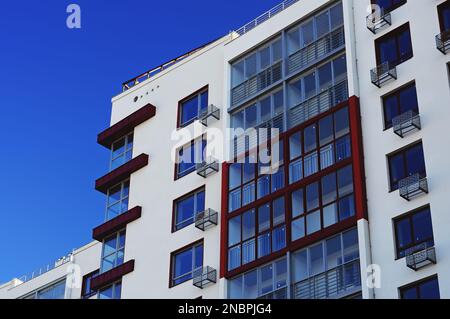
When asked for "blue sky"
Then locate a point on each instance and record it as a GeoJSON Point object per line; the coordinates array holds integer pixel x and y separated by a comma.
{"type": "Point", "coordinates": [56, 86]}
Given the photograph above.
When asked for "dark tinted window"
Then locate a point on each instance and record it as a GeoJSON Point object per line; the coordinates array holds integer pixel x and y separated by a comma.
{"type": "Point", "coordinates": [395, 47]}
{"type": "Point", "coordinates": [400, 102]}
{"type": "Point", "coordinates": [425, 289]}
{"type": "Point", "coordinates": [444, 16]}
{"type": "Point", "coordinates": [405, 163]}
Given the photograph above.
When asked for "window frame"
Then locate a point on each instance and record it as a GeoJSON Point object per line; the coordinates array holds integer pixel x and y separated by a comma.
{"type": "Point", "coordinates": [116, 251]}
{"type": "Point", "coordinates": [87, 279]}
{"type": "Point", "coordinates": [113, 287]}
{"type": "Point", "coordinates": [197, 94]}
{"type": "Point", "coordinates": [417, 286]}
{"type": "Point", "coordinates": [395, 34]}
{"type": "Point", "coordinates": [202, 139]}
{"type": "Point", "coordinates": [191, 246]}
{"type": "Point", "coordinates": [175, 203]}
{"type": "Point", "coordinates": [409, 216]}
{"type": "Point", "coordinates": [397, 93]}
{"type": "Point", "coordinates": [443, 6]}
{"type": "Point", "coordinates": [36, 293]}
{"type": "Point", "coordinates": [127, 150]}
{"type": "Point", "coordinates": [124, 197]}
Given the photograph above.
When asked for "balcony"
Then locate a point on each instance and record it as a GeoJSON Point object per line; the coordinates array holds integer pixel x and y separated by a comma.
{"type": "Point", "coordinates": [406, 123]}
{"type": "Point", "coordinates": [336, 283]}
{"type": "Point", "coordinates": [443, 42]}
{"type": "Point", "coordinates": [378, 20]}
{"type": "Point", "coordinates": [325, 46]}
{"type": "Point", "coordinates": [420, 256]}
{"type": "Point", "coordinates": [206, 219]}
{"type": "Point", "coordinates": [204, 276]}
{"type": "Point", "coordinates": [318, 104]}
{"type": "Point", "coordinates": [211, 112]}
{"type": "Point", "coordinates": [413, 186]}
{"type": "Point", "coordinates": [207, 167]}
{"type": "Point", "coordinates": [257, 83]}
{"type": "Point", "coordinates": [383, 73]}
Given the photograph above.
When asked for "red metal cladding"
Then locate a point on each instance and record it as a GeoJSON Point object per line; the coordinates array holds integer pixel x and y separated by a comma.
{"type": "Point", "coordinates": [113, 275]}
{"type": "Point", "coordinates": [357, 160]}
{"type": "Point", "coordinates": [110, 227]}
{"type": "Point", "coordinates": [121, 173]}
{"type": "Point", "coordinates": [125, 126]}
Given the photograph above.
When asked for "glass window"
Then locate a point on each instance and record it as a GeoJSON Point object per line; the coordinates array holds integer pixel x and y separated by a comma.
{"type": "Point", "coordinates": [298, 228]}
{"type": "Point", "coordinates": [400, 102]}
{"type": "Point", "coordinates": [297, 203]}
{"type": "Point", "coordinates": [337, 18]}
{"type": "Point", "coordinates": [444, 16]}
{"type": "Point", "coordinates": [278, 211]}
{"type": "Point", "coordinates": [248, 225]}
{"type": "Point", "coordinates": [121, 151]}
{"type": "Point", "coordinates": [310, 85]}
{"type": "Point", "coordinates": [326, 130]}
{"type": "Point", "coordinates": [413, 232]}
{"type": "Point", "coordinates": [111, 292]}
{"type": "Point", "coordinates": [395, 47]}
{"type": "Point", "coordinates": [405, 163]}
{"type": "Point", "coordinates": [264, 217]}
{"type": "Point", "coordinates": [329, 193]}
{"type": "Point", "coordinates": [187, 208]}
{"type": "Point", "coordinates": [345, 181]}
{"type": "Point", "coordinates": [312, 196]}
{"type": "Point", "coordinates": [117, 200]}
{"type": "Point", "coordinates": [113, 251]}
{"type": "Point", "coordinates": [184, 263]}
{"type": "Point", "coordinates": [264, 57]}
{"type": "Point", "coordinates": [189, 156]}
{"type": "Point", "coordinates": [307, 31]}
{"type": "Point", "coordinates": [310, 138]}
{"type": "Point", "coordinates": [250, 65]}
{"type": "Point", "coordinates": [424, 289]}
{"type": "Point", "coordinates": [341, 122]}
{"type": "Point", "coordinates": [313, 223]}
{"type": "Point", "coordinates": [238, 73]}
{"type": "Point", "coordinates": [389, 5]}
{"type": "Point", "coordinates": [87, 291]}
{"type": "Point", "coordinates": [322, 24]}
{"type": "Point", "coordinates": [234, 231]}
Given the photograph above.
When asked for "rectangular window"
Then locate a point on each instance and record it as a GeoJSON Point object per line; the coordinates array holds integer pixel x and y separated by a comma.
{"type": "Point", "coordinates": [256, 233]}
{"type": "Point", "coordinates": [323, 203]}
{"type": "Point", "coordinates": [121, 151]}
{"type": "Point", "coordinates": [444, 16]}
{"type": "Point", "coordinates": [319, 145]}
{"type": "Point", "coordinates": [187, 208]}
{"type": "Point", "coordinates": [185, 263]}
{"type": "Point", "coordinates": [400, 102]}
{"type": "Point", "coordinates": [53, 291]}
{"type": "Point", "coordinates": [117, 200]}
{"type": "Point", "coordinates": [425, 289]}
{"type": "Point", "coordinates": [389, 5]}
{"type": "Point", "coordinates": [191, 107]}
{"type": "Point", "coordinates": [113, 291]}
{"type": "Point", "coordinates": [86, 291]}
{"type": "Point", "coordinates": [113, 251]}
{"type": "Point", "coordinates": [268, 281]}
{"type": "Point", "coordinates": [405, 163]}
{"type": "Point", "coordinates": [394, 47]}
{"type": "Point", "coordinates": [413, 231]}
{"type": "Point", "coordinates": [189, 155]}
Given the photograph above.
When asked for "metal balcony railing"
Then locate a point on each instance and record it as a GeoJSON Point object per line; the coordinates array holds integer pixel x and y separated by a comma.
{"type": "Point", "coordinates": [207, 167]}
{"type": "Point", "coordinates": [204, 276]}
{"type": "Point", "coordinates": [61, 261]}
{"type": "Point", "coordinates": [211, 112]}
{"type": "Point", "coordinates": [318, 104]}
{"type": "Point", "coordinates": [255, 84]}
{"type": "Point", "coordinates": [335, 283]}
{"type": "Point", "coordinates": [406, 122]}
{"type": "Point", "coordinates": [420, 256]}
{"type": "Point", "coordinates": [265, 16]}
{"type": "Point", "coordinates": [326, 45]}
{"type": "Point", "coordinates": [443, 42]}
{"type": "Point", "coordinates": [206, 219]}
{"type": "Point", "coordinates": [377, 20]}
{"type": "Point", "coordinates": [413, 186]}
{"type": "Point", "coordinates": [280, 293]}
{"type": "Point", "coordinates": [383, 73]}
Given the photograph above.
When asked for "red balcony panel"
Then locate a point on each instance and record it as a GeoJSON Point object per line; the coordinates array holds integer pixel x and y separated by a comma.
{"type": "Point", "coordinates": [110, 227]}
{"type": "Point", "coordinates": [125, 126]}
{"type": "Point", "coordinates": [121, 173]}
{"type": "Point", "coordinates": [112, 275]}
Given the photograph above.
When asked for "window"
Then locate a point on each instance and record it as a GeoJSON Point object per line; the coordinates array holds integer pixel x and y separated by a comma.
{"type": "Point", "coordinates": [117, 200]}
{"type": "Point", "coordinates": [113, 291]}
{"type": "Point", "coordinates": [53, 291]}
{"type": "Point", "coordinates": [323, 203]}
{"type": "Point", "coordinates": [251, 179]}
{"type": "Point", "coordinates": [270, 279]}
{"type": "Point", "coordinates": [256, 233]}
{"type": "Point", "coordinates": [189, 156]}
{"type": "Point", "coordinates": [319, 145]}
{"type": "Point", "coordinates": [256, 62]}
{"type": "Point", "coordinates": [191, 107]}
{"type": "Point", "coordinates": [399, 102]}
{"type": "Point", "coordinates": [412, 231]}
{"type": "Point", "coordinates": [327, 255]}
{"type": "Point", "coordinates": [444, 16]}
{"type": "Point", "coordinates": [317, 81]}
{"type": "Point", "coordinates": [389, 5]}
{"type": "Point", "coordinates": [405, 163]}
{"type": "Point", "coordinates": [395, 47]}
{"type": "Point", "coordinates": [121, 151]}
{"type": "Point", "coordinates": [113, 251]}
{"type": "Point", "coordinates": [315, 28]}
{"type": "Point", "coordinates": [86, 291]}
{"type": "Point", "coordinates": [187, 208]}
{"type": "Point", "coordinates": [424, 289]}
{"type": "Point", "coordinates": [185, 263]}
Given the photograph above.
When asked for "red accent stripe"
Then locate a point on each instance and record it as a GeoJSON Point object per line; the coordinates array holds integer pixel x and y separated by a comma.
{"type": "Point", "coordinates": [223, 222]}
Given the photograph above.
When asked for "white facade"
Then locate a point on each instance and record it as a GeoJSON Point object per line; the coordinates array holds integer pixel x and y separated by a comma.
{"type": "Point", "coordinates": [150, 240]}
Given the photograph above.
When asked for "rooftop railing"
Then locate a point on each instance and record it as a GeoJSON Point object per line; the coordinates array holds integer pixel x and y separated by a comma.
{"type": "Point", "coordinates": [265, 16]}
{"type": "Point", "coordinates": [61, 261]}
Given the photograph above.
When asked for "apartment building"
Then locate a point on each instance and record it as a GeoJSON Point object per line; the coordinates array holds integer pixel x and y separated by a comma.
{"type": "Point", "coordinates": [353, 206]}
